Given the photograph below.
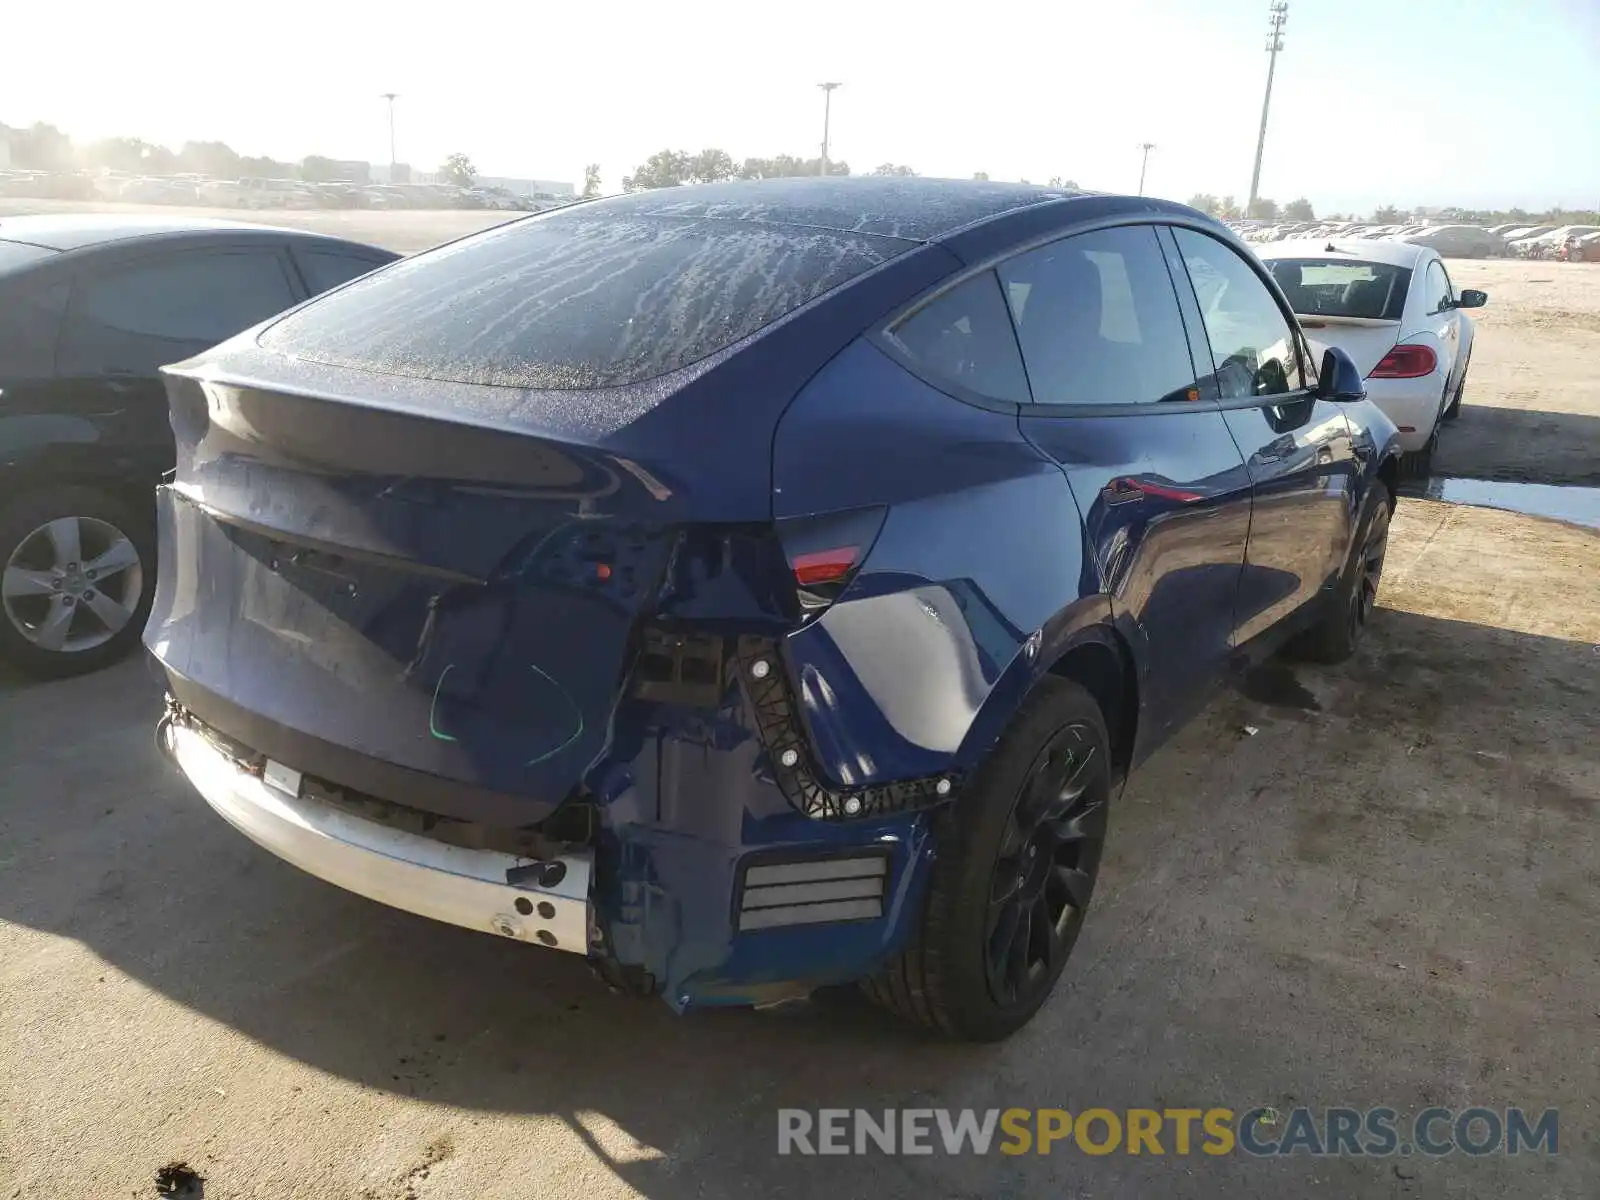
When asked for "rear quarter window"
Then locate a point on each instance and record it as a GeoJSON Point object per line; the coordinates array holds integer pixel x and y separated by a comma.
{"type": "Point", "coordinates": [965, 337]}
{"type": "Point", "coordinates": [576, 300]}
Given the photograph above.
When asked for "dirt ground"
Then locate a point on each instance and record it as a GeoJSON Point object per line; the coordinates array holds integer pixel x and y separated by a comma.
{"type": "Point", "coordinates": [1387, 893]}
{"type": "Point", "coordinates": [1532, 408]}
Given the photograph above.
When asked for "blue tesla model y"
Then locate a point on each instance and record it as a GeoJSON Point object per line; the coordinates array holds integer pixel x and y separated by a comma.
{"type": "Point", "coordinates": [758, 586]}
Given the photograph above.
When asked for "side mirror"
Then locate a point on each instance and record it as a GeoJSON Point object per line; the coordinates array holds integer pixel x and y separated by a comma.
{"type": "Point", "coordinates": [1472, 298]}
{"type": "Point", "coordinates": [1339, 381]}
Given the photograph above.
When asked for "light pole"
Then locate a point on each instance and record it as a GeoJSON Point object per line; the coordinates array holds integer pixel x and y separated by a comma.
{"type": "Point", "coordinates": [1277, 15]}
{"type": "Point", "coordinates": [389, 96]}
{"type": "Point", "coordinates": [1144, 162]}
{"type": "Point", "coordinates": [827, 107]}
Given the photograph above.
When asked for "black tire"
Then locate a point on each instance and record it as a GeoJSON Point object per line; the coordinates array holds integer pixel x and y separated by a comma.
{"type": "Point", "coordinates": [27, 568]}
{"type": "Point", "coordinates": [1418, 463]}
{"type": "Point", "coordinates": [1453, 409]}
{"type": "Point", "coordinates": [1345, 618]}
{"type": "Point", "coordinates": [1053, 763]}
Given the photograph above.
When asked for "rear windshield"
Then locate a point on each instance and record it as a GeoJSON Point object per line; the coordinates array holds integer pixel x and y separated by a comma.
{"type": "Point", "coordinates": [20, 254]}
{"type": "Point", "coordinates": [576, 300]}
{"type": "Point", "coordinates": [1318, 287]}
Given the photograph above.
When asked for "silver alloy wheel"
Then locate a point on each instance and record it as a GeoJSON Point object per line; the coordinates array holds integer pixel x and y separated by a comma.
{"type": "Point", "coordinates": [72, 584]}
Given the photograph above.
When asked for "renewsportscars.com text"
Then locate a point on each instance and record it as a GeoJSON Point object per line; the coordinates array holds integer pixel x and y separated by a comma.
{"type": "Point", "coordinates": [1260, 1132]}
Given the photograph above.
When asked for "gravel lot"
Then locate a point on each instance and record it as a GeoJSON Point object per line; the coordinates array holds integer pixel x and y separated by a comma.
{"type": "Point", "coordinates": [1389, 893]}
{"type": "Point", "coordinates": [1533, 394]}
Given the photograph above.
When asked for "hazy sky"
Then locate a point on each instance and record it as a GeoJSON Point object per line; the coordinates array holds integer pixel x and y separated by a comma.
{"type": "Point", "coordinates": [1411, 101]}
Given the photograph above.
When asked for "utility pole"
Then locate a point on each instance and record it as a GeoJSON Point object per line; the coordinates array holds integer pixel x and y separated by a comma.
{"type": "Point", "coordinates": [389, 96]}
{"type": "Point", "coordinates": [827, 106]}
{"type": "Point", "coordinates": [1277, 15]}
{"type": "Point", "coordinates": [1144, 162]}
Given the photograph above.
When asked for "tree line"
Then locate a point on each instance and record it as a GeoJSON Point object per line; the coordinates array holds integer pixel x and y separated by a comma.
{"type": "Point", "coordinates": [670, 168]}
{"type": "Point", "coordinates": [673, 168]}
{"type": "Point", "coordinates": [1227, 209]}
{"type": "Point", "coordinates": [43, 147]}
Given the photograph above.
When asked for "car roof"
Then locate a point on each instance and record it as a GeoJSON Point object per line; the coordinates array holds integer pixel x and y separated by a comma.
{"type": "Point", "coordinates": [76, 231]}
{"type": "Point", "coordinates": [909, 208]}
{"type": "Point", "coordinates": [1398, 254]}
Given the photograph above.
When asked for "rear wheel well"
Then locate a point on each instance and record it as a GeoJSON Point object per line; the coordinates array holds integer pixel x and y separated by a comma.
{"type": "Point", "coordinates": [1389, 472]}
{"type": "Point", "coordinates": [140, 498]}
{"type": "Point", "coordinates": [1105, 671]}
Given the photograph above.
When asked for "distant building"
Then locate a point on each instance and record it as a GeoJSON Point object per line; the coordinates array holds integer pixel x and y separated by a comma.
{"type": "Point", "coordinates": [380, 173]}
{"type": "Point", "coordinates": [352, 171]}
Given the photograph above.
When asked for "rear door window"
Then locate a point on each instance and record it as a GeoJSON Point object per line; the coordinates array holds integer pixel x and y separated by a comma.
{"type": "Point", "coordinates": [1252, 346]}
{"type": "Point", "coordinates": [156, 311]}
{"type": "Point", "coordinates": [324, 270]}
{"type": "Point", "coordinates": [577, 300]}
{"type": "Point", "coordinates": [965, 337]}
{"type": "Point", "coordinates": [1098, 320]}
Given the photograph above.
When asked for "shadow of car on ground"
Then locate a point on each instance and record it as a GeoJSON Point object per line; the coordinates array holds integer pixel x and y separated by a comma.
{"type": "Point", "coordinates": [1338, 909]}
{"type": "Point", "coordinates": [1522, 445]}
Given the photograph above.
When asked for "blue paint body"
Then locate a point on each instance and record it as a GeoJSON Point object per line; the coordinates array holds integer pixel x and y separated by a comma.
{"type": "Point", "coordinates": [395, 583]}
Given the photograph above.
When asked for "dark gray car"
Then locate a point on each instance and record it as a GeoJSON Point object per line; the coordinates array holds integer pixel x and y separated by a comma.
{"type": "Point", "coordinates": [1458, 241]}
{"type": "Point", "coordinates": [91, 307]}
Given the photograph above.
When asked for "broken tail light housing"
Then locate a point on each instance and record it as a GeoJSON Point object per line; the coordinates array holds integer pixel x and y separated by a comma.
{"type": "Point", "coordinates": [821, 568]}
{"type": "Point", "coordinates": [825, 552]}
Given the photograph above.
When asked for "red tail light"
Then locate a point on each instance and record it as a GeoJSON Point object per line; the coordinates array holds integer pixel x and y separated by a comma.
{"type": "Point", "coordinates": [1406, 362]}
{"type": "Point", "coordinates": [818, 567]}
{"type": "Point", "coordinates": [826, 551]}
{"type": "Point", "coordinates": [1162, 492]}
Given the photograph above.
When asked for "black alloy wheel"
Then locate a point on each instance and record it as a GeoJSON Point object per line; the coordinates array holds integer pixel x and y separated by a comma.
{"type": "Point", "coordinates": [1014, 866]}
{"type": "Point", "coordinates": [1348, 611]}
{"type": "Point", "coordinates": [1045, 870]}
{"type": "Point", "coordinates": [1369, 572]}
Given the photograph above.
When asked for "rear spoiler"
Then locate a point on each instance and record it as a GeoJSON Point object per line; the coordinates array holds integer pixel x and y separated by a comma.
{"type": "Point", "coordinates": [1320, 320]}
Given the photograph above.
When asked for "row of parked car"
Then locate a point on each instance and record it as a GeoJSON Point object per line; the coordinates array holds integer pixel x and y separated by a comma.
{"type": "Point", "coordinates": [259, 193]}
{"type": "Point", "coordinates": [1573, 242]}
{"type": "Point", "coordinates": [48, 185]}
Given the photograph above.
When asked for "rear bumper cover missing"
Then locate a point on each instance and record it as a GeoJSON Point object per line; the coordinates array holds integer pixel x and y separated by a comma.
{"type": "Point", "coordinates": [404, 870]}
{"type": "Point", "coordinates": [686, 903]}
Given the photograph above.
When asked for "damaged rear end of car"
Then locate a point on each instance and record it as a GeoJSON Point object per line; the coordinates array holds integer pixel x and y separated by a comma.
{"type": "Point", "coordinates": [473, 599]}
